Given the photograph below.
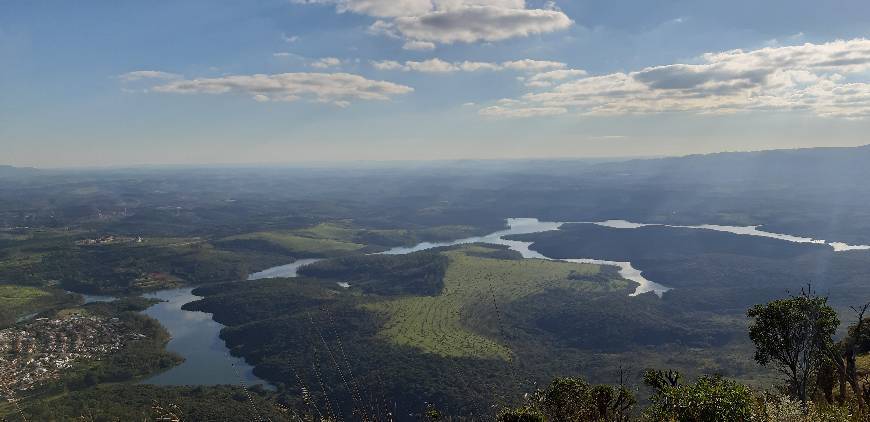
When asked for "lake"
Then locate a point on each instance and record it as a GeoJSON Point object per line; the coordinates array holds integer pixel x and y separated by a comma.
{"type": "Point", "coordinates": [196, 336]}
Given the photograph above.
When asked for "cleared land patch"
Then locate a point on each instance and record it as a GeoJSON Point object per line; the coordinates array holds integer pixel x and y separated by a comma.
{"type": "Point", "coordinates": [298, 244]}
{"type": "Point", "coordinates": [475, 286]}
{"type": "Point", "coordinates": [17, 301]}
{"type": "Point", "coordinates": [18, 296]}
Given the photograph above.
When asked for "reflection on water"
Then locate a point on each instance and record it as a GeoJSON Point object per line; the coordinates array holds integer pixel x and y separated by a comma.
{"type": "Point", "coordinates": [283, 271]}
{"type": "Point", "coordinates": [195, 336]}
{"type": "Point", "coordinates": [741, 230]}
{"type": "Point", "coordinates": [533, 225]}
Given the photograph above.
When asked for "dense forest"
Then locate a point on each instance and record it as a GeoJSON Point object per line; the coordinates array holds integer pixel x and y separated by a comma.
{"type": "Point", "coordinates": [465, 330]}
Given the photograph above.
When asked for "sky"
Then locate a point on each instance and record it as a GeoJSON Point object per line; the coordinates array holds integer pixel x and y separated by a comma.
{"type": "Point", "coordinates": [134, 82]}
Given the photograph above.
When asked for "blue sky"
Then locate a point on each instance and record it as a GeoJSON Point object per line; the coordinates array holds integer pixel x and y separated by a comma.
{"type": "Point", "coordinates": [269, 81]}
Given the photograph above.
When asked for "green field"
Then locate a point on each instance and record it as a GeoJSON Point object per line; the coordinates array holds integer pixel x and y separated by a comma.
{"type": "Point", "coordinates": [17, 296]}
{"type": "Point", "coordinates": [17, 301]}
{"type": "Point", "coordinates": [297, 244]}
{"type": "Point", "coordinates": [473, 287]}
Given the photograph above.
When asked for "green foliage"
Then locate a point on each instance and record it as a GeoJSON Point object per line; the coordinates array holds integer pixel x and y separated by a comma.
{"type": "Point", "coordinates": [420, 273]}
{"type": "Point", "coordinates": [474, 287]}
{"type": "Point", "coordinates": [295, 244]}
{"type": "Point", "coordinates": [131, 269]}
{"type": "Point", "coordinates": [794, 334]}
{"type": "Point", "coordinates": [137, 359]}
{"type": "Point", "coordinates": [520, 415]}
{"type": "Point", "coordinates": [19, 301]}
{"type": "Point", "coordinates": [573, 399]}
{"type": "Point", "coordinates": [709, 399]}
{"type": "Point", "coordinates": [660, 380]}
{"type": "Point", "coordinates": [432, 413]}
{"type": "Point", "coordinates": [150, 403]}
{"type": "Point", "coordinates": [786, 409]}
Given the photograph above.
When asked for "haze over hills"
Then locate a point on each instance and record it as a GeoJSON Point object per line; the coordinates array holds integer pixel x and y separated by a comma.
{"type": "Point", "coordinates": [827, 167]}
{"type": "Point", "coordinates": [435, 210]}
{"type": "Point", "coordinates": [414, 323]}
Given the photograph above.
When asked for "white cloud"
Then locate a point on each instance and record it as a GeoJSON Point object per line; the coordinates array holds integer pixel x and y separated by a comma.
{"type": "Point", "coordinates": [533, 65]}
{"type": "Point", "coordinates": [451, 21]}
{"type": "Point", "coordinates": [547, 79]}
{"type": "Point", "coordinates": [431, 66]}
{"type": "Point", "coordinates": [418, 46]}
{"type": "Point", "coordinates": [147, 74]}
{"type": "Point", "coordinates": [477, 66]}
{"type": "Point", "coordinates": [378, 8]}
{"type": "Point", "coordinates": [825, 79]}
{"type": "Point", "coordinates": [440, 66]}
{"type": "Point", "coordinates": [388, 65]}
{"type": "Point", "coordinates": [480, 23]}
{"type": "Point", "coordinates": [289, 39]}
{"type": "Point", "coordinates": [336, 88]}
{"type": "Point", "coordinates": [326, 63]}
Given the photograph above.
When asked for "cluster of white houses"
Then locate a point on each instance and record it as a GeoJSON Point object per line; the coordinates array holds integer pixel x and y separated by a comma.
{"type": "Point", "coordinates": [40, 351]}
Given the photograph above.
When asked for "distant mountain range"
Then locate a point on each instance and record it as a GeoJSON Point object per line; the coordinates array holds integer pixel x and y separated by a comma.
{"type": "Point", "coordinates": [827, 166]}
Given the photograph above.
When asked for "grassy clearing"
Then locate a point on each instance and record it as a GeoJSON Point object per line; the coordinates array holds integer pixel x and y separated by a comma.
{"type": "Point", "coordinates": [295, 243]}
{"type": "Point", "coordinates": [21, 260]}
{"type": "Point", "coordinates": [17, 301]}
{"type": "Point", "coordinates": [473, 286]}
{"type": "Point", "coordinates": [18, 296]}
{"type": "Point", "coordinates": [342, 238]}
{"type": "Point", "coordinates": [337, 231]}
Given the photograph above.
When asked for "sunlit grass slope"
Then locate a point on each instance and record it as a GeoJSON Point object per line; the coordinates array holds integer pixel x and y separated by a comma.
{"type": "Point", "coordinates": [475, 287]}
{"type": "Point", "coordinates": [16, 301]}
{"type": "Point", "coordinates": [295, 243]}
{"type": "Point", "coordinates": [18, 296]}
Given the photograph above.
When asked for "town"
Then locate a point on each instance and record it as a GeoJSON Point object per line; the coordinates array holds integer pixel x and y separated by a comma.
{"type": "Point", "coordinates": [40, 351]}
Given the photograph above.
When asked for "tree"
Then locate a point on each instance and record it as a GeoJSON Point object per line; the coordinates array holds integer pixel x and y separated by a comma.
{"type": "Point", "coordinates": [710, 399]}
{"type": "Point", "coordinates": [573, 399]}
{"type": "Point", "coordinates": [520, 415]}
{"type": "Point", "coordinates": [842, 358]}
{"type": "Point", "coordinates": [794, 335]}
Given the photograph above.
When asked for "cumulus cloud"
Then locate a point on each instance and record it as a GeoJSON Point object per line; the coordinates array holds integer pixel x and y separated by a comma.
{"type": "Point", "coordinates": [437, 65]}
{"type": "Point", "coordinates": [425, 22]}
{"type": "Point", "coordinates": [431, 66]}
{"type": "Point", "coordinates": [546, 79]}
{"type": "Point", "coordinates": [379, 8]}
{"type": "Point", "coordinates": [388, 65]}
{"type": "Point", "coordinates": [335, 88]}
{"type": "Point", "coordinates": [418, 45]}
{"type": "Point", "coordinates": [825, 79]}
{"type": "Point", "coordinates": [480, 23]}
{"type": "Point", "coordinates": [326, 62]}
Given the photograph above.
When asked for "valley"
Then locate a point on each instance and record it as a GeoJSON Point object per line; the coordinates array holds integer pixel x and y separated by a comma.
{"type": "Point", "coordinates": [421, 287]}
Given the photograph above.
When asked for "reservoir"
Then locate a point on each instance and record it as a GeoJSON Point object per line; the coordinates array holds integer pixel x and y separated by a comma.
{"type": "Point", "coordinates": [196, 337]}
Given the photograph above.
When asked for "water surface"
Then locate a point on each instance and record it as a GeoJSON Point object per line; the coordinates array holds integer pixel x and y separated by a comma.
{"type": "Point", "coordinates": [282, 271]}
{"type": "Point", "coordinates": [196, 337]}
{"type": "Point", "coordinates": [741, 230]}
{"type": "Point", "coordinates": [533, 225]}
